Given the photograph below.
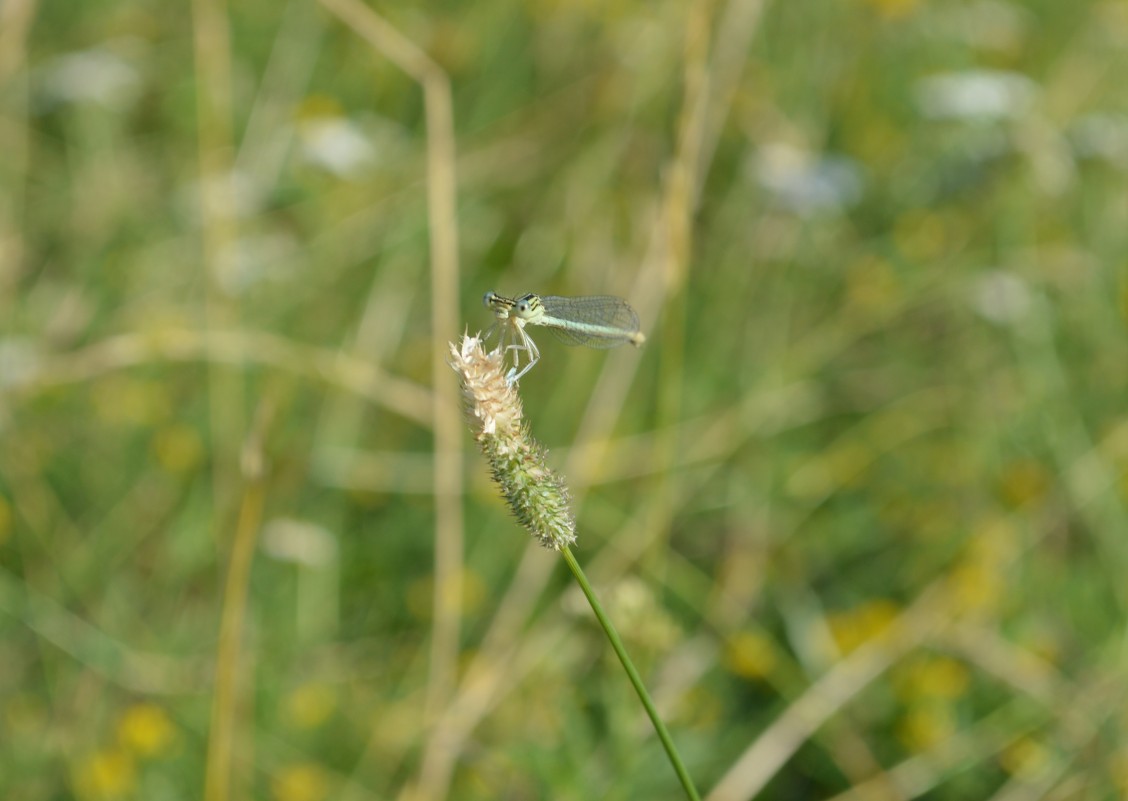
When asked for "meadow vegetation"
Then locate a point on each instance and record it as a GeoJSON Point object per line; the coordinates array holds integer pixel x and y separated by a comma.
{"type": "Point", "coordinates": [858, 506]}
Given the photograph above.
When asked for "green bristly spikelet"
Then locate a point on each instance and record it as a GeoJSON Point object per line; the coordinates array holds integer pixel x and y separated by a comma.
{"type": "Point", "coordinates": [537, 496]}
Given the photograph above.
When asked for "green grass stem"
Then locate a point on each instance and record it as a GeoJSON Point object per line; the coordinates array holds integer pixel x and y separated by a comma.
{"type": "Point", "coordinates": [632, 674]}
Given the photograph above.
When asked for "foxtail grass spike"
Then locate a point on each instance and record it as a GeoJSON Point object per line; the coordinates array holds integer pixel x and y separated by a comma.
{"type": "Point", "coordinates": [536, 495]}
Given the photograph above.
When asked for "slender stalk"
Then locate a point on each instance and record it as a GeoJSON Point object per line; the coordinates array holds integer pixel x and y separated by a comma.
{"type": "Point", "coordinates": [632, 674]}
{"type": "Point", "coordinates": [222, 756]}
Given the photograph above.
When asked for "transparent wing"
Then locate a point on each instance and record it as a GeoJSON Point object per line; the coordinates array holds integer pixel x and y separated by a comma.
{"type": "Point", "coordinates": [602, 321]}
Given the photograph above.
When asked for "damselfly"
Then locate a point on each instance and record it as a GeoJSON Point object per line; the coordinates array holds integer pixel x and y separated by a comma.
{"type": "Point", "coordinates": [598, 321]}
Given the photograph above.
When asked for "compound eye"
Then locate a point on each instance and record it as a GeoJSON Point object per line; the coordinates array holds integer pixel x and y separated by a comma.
{"type": "Point", "coordinates": [487, 299]}
{"type": "Point", "coordinates": [522, 305]}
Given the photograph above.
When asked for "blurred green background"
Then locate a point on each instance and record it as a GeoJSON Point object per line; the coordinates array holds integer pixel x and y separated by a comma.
{"type": "Point", "coordinates": [858, 506]}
